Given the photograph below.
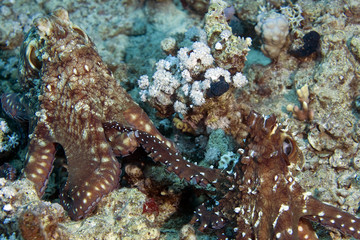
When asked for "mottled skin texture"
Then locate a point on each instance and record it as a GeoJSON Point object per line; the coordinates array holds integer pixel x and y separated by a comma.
{"type": "Point", "coordinates": [77, 95]}
{"type": "Point", "coordinates": [265, 201]}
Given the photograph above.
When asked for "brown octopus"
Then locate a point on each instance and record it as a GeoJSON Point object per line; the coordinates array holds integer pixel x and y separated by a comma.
{"type": "Point", "coordinates": [76, 96]}
{"type": "Point", "coordinates": [265, 201]}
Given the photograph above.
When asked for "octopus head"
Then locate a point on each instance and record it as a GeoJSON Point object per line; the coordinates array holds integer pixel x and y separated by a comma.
{"type": "Point", "coordinates": [269, 141]}
{"type": "Point", "coordinates": [50, 37]}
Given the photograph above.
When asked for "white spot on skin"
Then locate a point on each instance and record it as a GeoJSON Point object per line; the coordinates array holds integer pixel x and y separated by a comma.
{"type": "Point", "coordinates": [278, 235]}
{"type": "Point", "coordinates": [43, 164]}
{"type": "Point", "coordinates": [258, 220]}
{"type": "Point", "coordinates": [31, 159]}
{"type": "Point", "coordinates": [86, 67]}
{"type": "Point", "coordinates": [85, 134]}
{"type": "Point", "coordinates": [306, 195]}
{"type": "Point", "coordinates": [42, 143]}
{"type": "Point", "coordinates": [147, 127]}
{"type": "Point", "coordinates": [321, 214]}
{"type": "Point", "coordinates": [92, 150]}
{"type": "Point", "coordinates": [281, 210]}
{"type": "Point", "coordinates": [103, 145]}
{"type": "Point", "coordinates": [338, 216]}
{"type": "Point", "coordinates": [33, 176]}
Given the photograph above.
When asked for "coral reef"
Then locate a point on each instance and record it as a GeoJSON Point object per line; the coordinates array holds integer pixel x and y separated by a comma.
{"type": "Point", "coordinates": [119, 216]}
{"type": "Point", "coordinates": [132, 36]}
{"type": "Point", "coordinates": [177, 85]}
{"type": "Point", "coordinates": [202, 79]}
{"type": "Point", "coordinates": [228, 50]}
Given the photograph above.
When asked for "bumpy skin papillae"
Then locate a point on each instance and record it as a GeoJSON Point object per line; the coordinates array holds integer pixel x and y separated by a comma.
{"type": "Point", "coordinates": [76, 95]}
{"type": "Point", "coordinates": [265, 201]}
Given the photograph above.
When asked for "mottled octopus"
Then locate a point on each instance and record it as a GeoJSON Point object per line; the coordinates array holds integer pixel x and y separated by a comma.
{"type": "Point", "coordinates": [265, 201]}
{"type": "Point", "coordinates": [80, 106]}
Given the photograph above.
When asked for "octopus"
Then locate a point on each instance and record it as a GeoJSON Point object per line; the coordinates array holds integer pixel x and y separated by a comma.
{"type": "Point", "coordinates": [265, 201]}
{"type": "Point", "coordinates": [80, 106]}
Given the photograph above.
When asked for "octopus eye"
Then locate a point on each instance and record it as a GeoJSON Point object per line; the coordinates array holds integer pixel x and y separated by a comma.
{"type": "Point", "coordinates": [80, 32]}
{"type": "Point", "coordinates": [31, 57]}
{"type": "Point", "coordinates": [287, 146]}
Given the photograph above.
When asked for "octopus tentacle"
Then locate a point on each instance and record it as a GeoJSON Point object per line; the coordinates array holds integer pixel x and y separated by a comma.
{"type": "Point", "coordinates": [306, 231]}
{"type": "Point", "coordinates": [122, 143]}
{"type": "Point", "coordinates": [159, 151]}
{"type": "Point", "coordinates": [40, 159]}
{"type": "Point", "coordinates": [84, 189]}
{"type": "Point", "coordinates": [330, 216]}
{"type": "Point", "coordinates": [286, 218]}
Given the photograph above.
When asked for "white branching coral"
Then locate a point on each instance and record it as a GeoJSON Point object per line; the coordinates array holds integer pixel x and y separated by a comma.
{"type": "Point", "coordinates": [197, 59]}
{"type": "Point", "coordinates": [182, 82]}
{"type": "Point", "coordinates": [7, 141]}
{"type": "Point", "coordinates": [239, 80]}
{"type": "Point", "coordinates": [213, 74]}
{"type": "Point", "coordinates": [293, 14]}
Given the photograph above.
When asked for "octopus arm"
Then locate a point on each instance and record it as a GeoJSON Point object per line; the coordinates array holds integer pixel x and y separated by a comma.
{"type": "Point", "coordinates": [40, 159]}
{"type": "Point", "coordinates": [285, 225]}
{"type": "Point", "coordinates": [93, 171]}
{"type": "Point", "coordinates": [306, 231]}
{"type": "Point", "coordinates": [332, 217]}
{"type": "Point", "coordinates": [14, 106]}
{"type": "Point", "coordinates": [159, 151]}
{"type": "Point", "coordinates": [122, 143]}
